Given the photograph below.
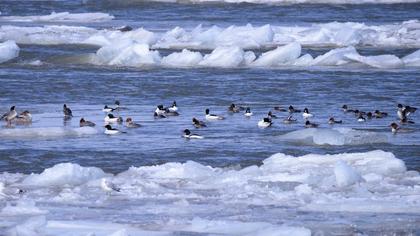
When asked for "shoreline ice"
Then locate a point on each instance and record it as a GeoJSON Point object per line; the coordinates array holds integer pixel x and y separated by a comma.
{"type": "Point", "coordinates": [355, 183]}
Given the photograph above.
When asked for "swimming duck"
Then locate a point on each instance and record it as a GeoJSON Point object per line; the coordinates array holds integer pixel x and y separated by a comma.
{"type": "Point", "coordinates": [265, 123]}
{"type": "Point", "coordinates": [110, 118]}
{"type": "Point", "coordinates": [233, 108]}
{"type": "Point", "coordinates": [10, 115]}
{"type": "Point", "coordinates": [197, 123]}
{"type": "Point", "coordinates": [111, 131]}
{"type": "Point", "coordinates": [308, 124]}
{"type": "Point", "coordinates": [289, 120]}
{"type": "Point", "coordinates": [108, 109]}
{"type": "Point", "coordinates": [293, 110]}
{"type": "Point", "coordinates": [67, 111]}
{"type": "Point", "coordinates": [129, 123]}
{"type": "Point", "coordinates": [173, 108]}
{"type": "Point", "coordinates": [84, 123]}
{"type": "Point", "coordinates": [379, 114]}
{"type": "Point", "coordinates": [212, 116]}
{"type": "Point", "coordinates": [189, 135]}
{"type": "Point", "coordinates": [306, 113]}
{"type": "Point", "coordinates": [332, 121]}
{"type": "Point", "coordinates": [248, 112]}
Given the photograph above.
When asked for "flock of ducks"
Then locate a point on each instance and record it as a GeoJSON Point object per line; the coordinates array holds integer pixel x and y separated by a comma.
{"type": "Point", "coordinates": [161, 112]}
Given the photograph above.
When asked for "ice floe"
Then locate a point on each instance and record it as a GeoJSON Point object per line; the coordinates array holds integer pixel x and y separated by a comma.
{"type": "Point", "coordinates": [61, 17]}
{"type": "Point", "coordinates": [334, 34]}
{"type": "Point", "coordinates": [335, 136]}
{"type": "Point", "coordinates": [8, 51]}
{"type": "Point", "coordinates": [45, 132]}
{"type": "Point", "coordinates": [191, 197]}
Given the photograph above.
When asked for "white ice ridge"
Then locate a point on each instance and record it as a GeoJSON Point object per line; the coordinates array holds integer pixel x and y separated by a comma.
{"type": "Point", "coordinates": [129, 53]}
{"type": "Point", "coordinates": [374, 181]}
{"type": "Point", "coordinates": [61, 17]}
{"type": "Point", "coordinates": [8, 51]}
{"type": "Point", "coordinates": [405, 34]}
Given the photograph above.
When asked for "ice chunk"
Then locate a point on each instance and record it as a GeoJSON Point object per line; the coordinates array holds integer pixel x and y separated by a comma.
{"type": "Point", "coordinates": [64, 174]}
{"type": "Point", "coordinates": [345, 175]}
{"type": "Point", "coordinates": [224, 57]}
{"type": "Point", "coordinates": [186, 58]}
{"type": "Point", "coordinates": [128, 53]}
{"type": "Point", "coordinates": [281, 55]}
{"type": "Point", "coordinates": [381, 61]}
{"type": "Point", "coordinates": [412, 59]}
{"type": "Point", "coordinates": [335, 57]}
{"type": "Point", "coordinates": [29, 227]}
{"type": "Point", "coordinates": [46, 132]}
{"type": "Point", "coordinates": [243, 228]}
{"type": "Point", "coordinates": [22, 207]}
{"type": "Point", "coordinates": [335, 136]}
{"type": "Point", "coordinates": [8, 51]}
{"type": "Point", "coordinates": [61, 17]}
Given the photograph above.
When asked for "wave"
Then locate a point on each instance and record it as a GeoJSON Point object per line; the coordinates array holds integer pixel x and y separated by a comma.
{"type": "Point", "coordinates": [61, 17]}
{"type": "Point", "coordinates": [347, 182]}
{"type": "Point", "coordinates": [334, 34]}
{"type": "Point", "coordinates": [8, 51]}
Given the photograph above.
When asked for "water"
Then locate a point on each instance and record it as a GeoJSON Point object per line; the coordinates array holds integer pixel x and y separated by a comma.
{"type": "Point", "coordinates": [231, 145]}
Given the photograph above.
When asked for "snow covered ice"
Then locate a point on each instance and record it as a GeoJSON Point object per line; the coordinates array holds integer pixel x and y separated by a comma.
{"type": "Point", "coordinates": [372, 181]}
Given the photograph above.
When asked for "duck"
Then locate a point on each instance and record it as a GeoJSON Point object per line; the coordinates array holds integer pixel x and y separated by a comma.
{"type": "Point", "coordinates": [265, 123]}
{"type": "Point", "coordinates": [280, 109]}
{"type": "Point", "coordinates": [293, 110]}
{"type": "Point", "coordinates": [248, 112]}
{"type": "Point", "coordinates": [332, 121]}
{"type": "Point", "coordinates": [189, 135]}
{"type": "Point", "coordinates": [10, 115]}
{"type": "Point", "coordinates": [110, 118]}
{"type": "Point", "coordinates": [173, 108]}
{"type": "Point", "coordinates": [308, 124]}
{"type": "Point", "coordinates": [233, 108]}
{"type": "Point", "coordinates": [129, 123]}
{"type": "Point", "coordinates": [84, 123]}
{"type": "Point", "coordinates": [369, 115]}
{"type": "Point", "coordinates": [169, 112]}
{"type": "Point", "coordinates": [404, 111]}
{"type": "Point", "coordinates": [360, 118]}
{"type": "Point", "coordinates": [406, 121]}
{"type": "Point", "coordinates": [357, 113]}
{"type": "Point", "coordinates": [306, 113]}
{"type": "Point", "coordinates": [111, 131]}
{"type": "Point", "coordinates": [197, 123]}
{"type": "Point", "coordinates": [212, 116]}
{"type": "Point", "coordinates": [379, 114]}
{"type": "Point", "coordinates": [346, 109]}
{"type": "Point", "coordinates": [271, 115]}
{"type": "Point", "coordinates": [108, 109]}
{"type": "Point", "coordinates": [67, 111]}
{"type": "Point", "coordinates": [158, 116]}
{"type": "Point", "coordinates": [396, 129]}
{"type": "Point", "coordinates": [289, 120]}
{"type": "Point", "coordinates": [24, 118]}
{"type": "Point", "coordinates": [160, 110]}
